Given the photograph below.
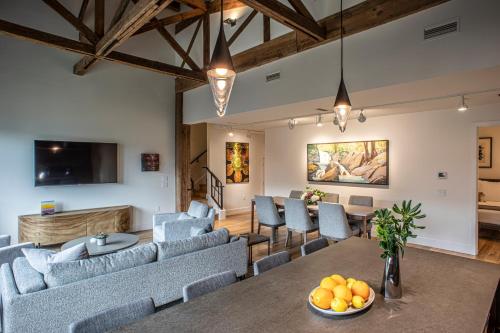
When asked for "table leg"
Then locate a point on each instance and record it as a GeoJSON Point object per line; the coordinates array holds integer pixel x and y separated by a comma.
{"type": "Point", "coordinates": [365, 234]}
{"type": "Point", "coordinates": [250, 252]}
{"type": "Point", "coordinates": [268, 247]}
{"type": "Point", "coordinates": [252, 216]}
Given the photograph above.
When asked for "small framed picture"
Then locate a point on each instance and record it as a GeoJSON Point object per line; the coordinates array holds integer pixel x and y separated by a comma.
{"type": "Point", "coordinates": [150, 162]}
{"type": "Point", "coordinates": [484, 152]}
{"type": "Point", "coordinates": [48, 207]}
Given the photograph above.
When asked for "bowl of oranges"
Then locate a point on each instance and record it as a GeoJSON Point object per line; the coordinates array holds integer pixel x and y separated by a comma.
{"type": "Point", "coordinates": [337, 296]}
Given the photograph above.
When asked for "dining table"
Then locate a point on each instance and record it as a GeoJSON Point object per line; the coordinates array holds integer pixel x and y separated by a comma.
{"type": "Point", "coordinates": [353, 212]}
{"type": "Point", "coordinates": [441, 293]}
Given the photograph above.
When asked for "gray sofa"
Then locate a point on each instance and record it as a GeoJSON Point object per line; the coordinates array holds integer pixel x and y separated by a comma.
{"type": "Point", "coordinates": [70, 291]}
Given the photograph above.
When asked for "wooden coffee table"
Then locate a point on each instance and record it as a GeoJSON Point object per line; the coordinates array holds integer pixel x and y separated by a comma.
{"type": "Point", "coordinates": [115, 242]}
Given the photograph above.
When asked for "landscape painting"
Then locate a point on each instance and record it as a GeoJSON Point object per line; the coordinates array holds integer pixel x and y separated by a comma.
{"type": "Point", "coordinates": [237, 162]}
{"type": "Point", "coordinates": [361, 162]}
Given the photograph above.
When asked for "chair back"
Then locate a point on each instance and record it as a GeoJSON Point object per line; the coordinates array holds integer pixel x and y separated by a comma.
{"type": "Point", "coordinates": [4, 240]}
{"type": "Point", "coordinates": [331, 197]}
{"type": "Point", "coordinates": [11, 252]}
{"type": "Point", "coordinates": [114, 317]}
{"type": "Point", "coordinates": [198, 209]}
{"type": "Point", "coordinates": [295, 194]}
{"type": "Point", "coordinates": [333, 222]}
{"type": "Point", "coordinates": [297, 216]}
{"type": "Point", "coordinates": [208, 285]}
{"type": "Point", "coordinates": [313, 246]}
{"type": "Point", "coordinates": [270, 262]}
{"type": "Point", "coordinates": [361, 200]}
{"type": "Point", "coordinates": [267, 211]}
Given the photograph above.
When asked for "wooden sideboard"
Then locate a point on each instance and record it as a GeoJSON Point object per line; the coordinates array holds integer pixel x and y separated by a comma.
{"type": "Point", "coordinates": [62, 227]}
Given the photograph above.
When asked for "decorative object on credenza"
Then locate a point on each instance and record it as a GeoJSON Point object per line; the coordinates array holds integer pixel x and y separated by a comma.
{"type": "Point", "coordinates": [150, 162]}
{"type": "Point", "coordinates": [237, 162]}
{"type": "Point", "coordinates": [484, 152]}
{"type": "Point", "coordinates": [361, 162]}
{"type": "Point", "coordinates": [312, 195]}
{"type": "Point", "coordinates": [48, 207]}
{"type": "Point", "coordinates": [394, 227]}
{"type": "Point", "coordinates": [101, 238]}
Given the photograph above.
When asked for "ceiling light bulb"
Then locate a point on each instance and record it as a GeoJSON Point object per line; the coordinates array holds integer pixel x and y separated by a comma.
{"type": "Point", "coordinates": [361, 117]}
{"type": "Point", "coordinates": [231, 134]}
{"type": "Point", "coordinates": [318, 121]}
{"type": "Point", "coordinates": [463, 107]}
{"type": "Point", "coordinates": [335, 120]}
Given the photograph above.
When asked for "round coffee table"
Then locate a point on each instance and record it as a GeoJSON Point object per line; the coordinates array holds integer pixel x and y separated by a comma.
{"type": "Point", "coordinates": [114, 242]}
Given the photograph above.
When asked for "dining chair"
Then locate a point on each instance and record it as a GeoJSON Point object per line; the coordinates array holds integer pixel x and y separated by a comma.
{"type": "Point", "coordinates": [331, 197]}
{"type": "Point", "coordinates": [268, 215]}
{"type": "Point", "coordinates": [270, 262]}
{"type": "Point", "coordinates": [313, 246]}
{"type": "Point", "coordinates": [4, 240]}
{"type": "Point", "coordinates": [362, 200]}
{"type": "Point", "coordinates": [208, 285]}
{"type": "Point", "coordinates": [297, 219]}
{"type": "Point", "coordinates": [333, 223]}
{"type": "Point", "coordinates": [114, 317]}
{"type": "Point", "coordinates": [295, 194]}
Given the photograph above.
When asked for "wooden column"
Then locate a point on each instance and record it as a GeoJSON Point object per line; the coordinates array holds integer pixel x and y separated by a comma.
{"type": "Point", "coordinates": [182, 153]}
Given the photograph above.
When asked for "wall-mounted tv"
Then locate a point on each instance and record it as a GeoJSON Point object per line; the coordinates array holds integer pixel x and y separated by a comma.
{"type": "Point", "coordinates": [71, 163]}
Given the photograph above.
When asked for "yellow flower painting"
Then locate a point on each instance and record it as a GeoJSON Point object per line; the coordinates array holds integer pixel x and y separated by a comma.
{"type": "Point", "coordinates": [237, 162]}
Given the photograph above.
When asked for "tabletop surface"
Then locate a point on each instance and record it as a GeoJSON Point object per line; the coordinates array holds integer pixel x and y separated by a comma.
{"type": "Point", "coordinates": [114, 242]}
{"type": "Point", "coordinates": [440, 293]}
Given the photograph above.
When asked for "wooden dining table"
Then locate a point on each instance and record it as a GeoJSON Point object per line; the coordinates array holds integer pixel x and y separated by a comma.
{"type": "Point", "coordinates": [355, 212]}
{"type": "Point", "coordinates": [441, 293]}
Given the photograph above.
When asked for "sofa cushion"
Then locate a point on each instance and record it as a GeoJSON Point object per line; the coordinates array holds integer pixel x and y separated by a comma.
{"type": "Point", "coordinates": [28, 279]}
{"type": "Point", "coordinates": [197, 209]}
{"type": "Point", "coordinates": [63, 273]}
{"type": "Point", "coordinates": [179, 247]}
{"type": "Point", "coordinates": [197, 231]}
{"type": "Point", "coordinates": [40, 258]}
{"type": "Point", "coordinates": [184, 216]}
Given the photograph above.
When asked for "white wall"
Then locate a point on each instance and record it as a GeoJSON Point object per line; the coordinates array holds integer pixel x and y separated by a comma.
{"type": "Point", "coordinates": [420, 145]}
{"type": "Point", "coordinates": [237, 196]}
{"type": "Point", "coordinates": [390, 54]}
{"type": "Point", "coordinates": [40, 98]}
{"type": "Point", "coordinates": [494, 133]}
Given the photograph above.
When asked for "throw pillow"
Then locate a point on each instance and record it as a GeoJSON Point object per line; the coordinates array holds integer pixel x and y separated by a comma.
{"type": "Point", "coordinates": [197, 231]}
{"type": "Point", "coordinates": [184, 216]}
{"type": "Point", "coordinates": [40, 258]}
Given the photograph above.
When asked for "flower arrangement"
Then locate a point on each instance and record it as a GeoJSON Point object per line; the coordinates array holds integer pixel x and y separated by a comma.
{"type": "Point", "coordinates": [312, 195]}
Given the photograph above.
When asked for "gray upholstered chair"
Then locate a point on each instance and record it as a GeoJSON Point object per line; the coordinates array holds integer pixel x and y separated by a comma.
{"type": "Point", "coordinates": [331, 197]}
{"type": "Point", "coordinates": [114, 317]}
{"type": "Point", "coordinates": [295, 194]}
{"type": "Point", "coordinates": [313, 246]}
{"type": "Point", "coordinates": [11, 252]}
{"type": "Point", "coordinates": [208, 285]}
{"type": "Point", "coordinates": [268, 215]}
{"type": "Point", "coordinates": [362, 200]}
{"type": "Point", "coordinates": [270, 262]}
{"type": "Point", "coordinates": [175, 226]}
{"type": "Point", "coordinates": [4, 240]}
{"type": "Point", "coordinates": [298, 219]}
{"type": "Point", "coordinates": [333, 223]}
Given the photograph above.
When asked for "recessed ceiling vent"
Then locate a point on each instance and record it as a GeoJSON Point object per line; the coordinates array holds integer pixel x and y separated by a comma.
{"type": "Point", "coordinates": [441, 29]}
{"type": "Point", "coordinates": [273, 76]}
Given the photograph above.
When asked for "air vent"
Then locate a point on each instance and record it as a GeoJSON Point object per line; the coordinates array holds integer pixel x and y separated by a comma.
{"type": "Point", "coordinates": [441, 30]}
{"type": "Point", "coordinates": [273, 76]}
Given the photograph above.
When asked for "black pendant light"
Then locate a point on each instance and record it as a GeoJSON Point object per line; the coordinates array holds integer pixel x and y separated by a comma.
{"type": "Point", "coordinates": [221, 73]}
{"type": "Point", "coordinates": [342, 104]}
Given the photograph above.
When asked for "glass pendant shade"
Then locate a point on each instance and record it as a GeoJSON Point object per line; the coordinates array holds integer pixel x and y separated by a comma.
{"type": "Point", "coordinates": [342, 106]}
{"type": "Point", "coordinates": [221, 74]}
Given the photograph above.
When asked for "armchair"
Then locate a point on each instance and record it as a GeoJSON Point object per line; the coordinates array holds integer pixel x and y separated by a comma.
{"type": "Point", "coordinates": [174, 226]}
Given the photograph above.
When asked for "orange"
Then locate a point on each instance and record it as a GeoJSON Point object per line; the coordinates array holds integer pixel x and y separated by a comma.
{"type": "Point", "coordinates": [350, 282]}
{"type": "Point", "coordinates": [322, 298]}
{"type": "Point", "coordinates": [328, 283]}
{"type": "Point", "coordinates": [339, 279]}
{"type": "Point", "coordinates": [341, 291]}
{"type": "Point", "coordinates": [339, 305]}
{"type": "Point", "coordinates": [358, 302]}
{"type": "Point", "coordinates": [361, 288]}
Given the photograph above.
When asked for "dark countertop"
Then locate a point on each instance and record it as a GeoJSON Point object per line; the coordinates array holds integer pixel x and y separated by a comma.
{"type": "Point", "coordinates": [441, 293]}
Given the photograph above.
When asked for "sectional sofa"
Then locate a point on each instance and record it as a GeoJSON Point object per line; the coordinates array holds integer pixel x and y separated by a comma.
{"type": "Point", "coordinates": [33, 302]}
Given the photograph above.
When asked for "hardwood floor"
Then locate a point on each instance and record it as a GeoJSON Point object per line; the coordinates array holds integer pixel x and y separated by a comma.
{"type": "Point", "coordinates": [489, 248]}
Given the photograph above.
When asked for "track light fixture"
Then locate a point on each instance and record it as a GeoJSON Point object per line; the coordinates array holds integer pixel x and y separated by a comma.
{"type": "Point", "coordinates": [462, 107]}
{"type": "Point", "coordinates": [361, 117]}
{"type": "Point", "coordinates": [291, 123]}
{"type": "Point", "coordinates": [319, 123]}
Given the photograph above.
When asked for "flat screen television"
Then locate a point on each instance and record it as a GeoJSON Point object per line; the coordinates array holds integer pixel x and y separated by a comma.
{"type": "Point", "coordinates": [71, 163]}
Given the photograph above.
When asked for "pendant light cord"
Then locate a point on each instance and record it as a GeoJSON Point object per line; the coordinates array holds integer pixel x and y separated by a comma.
{"type": "Point", "coordinates": [221, 13]}
{"type": "Point", "coordinates": [341, 43]}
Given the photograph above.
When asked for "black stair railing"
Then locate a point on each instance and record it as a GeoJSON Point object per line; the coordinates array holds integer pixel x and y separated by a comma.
{"type": "Point", "coordinates": [216, 189]}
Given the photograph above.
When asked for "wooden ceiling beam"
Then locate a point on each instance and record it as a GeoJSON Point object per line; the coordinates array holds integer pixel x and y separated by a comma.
{"type": "Point", "coordinates": [120, 10]}
{"type": "Point", "coordinates": [99, 18]}
{"type": "Point", "coordinates": [200, 4]}
{"type": "Point", "coordinates": [206, 40]}
{"type": "Point", "coordinates": [300, 8]}
{"type": "Point", "coordinates": [185, 24]}
{"type": "Point", "coordinates": [177, 48]}
{"type": "Point", "coordinates": [266, 29]}
{"type": "Point", "coordinates": [47, 39]}
{"type": "Point", "coordinates": [193, 38]}
{"type": "Point", "coordinates": [287, 16]}
{"type": "Point", "coordinates": [361, 17]}
{"type": "Point", "coordinates": [242, 27]}
{"type": "Point", "coordinates": [81, 16]}
{"type": "Point", "coordinates": [73, 20]}
{"type": "Point", "coordinates": [194, 14]}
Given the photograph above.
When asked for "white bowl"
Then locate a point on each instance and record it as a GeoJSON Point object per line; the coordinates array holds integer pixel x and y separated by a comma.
{"type": "Point", "coordinates": [350, 311]}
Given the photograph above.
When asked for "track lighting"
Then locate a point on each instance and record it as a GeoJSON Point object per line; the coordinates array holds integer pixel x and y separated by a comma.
{"type": "Point", "coordinates": [335, 120]}
{"type": "Point", "coordinates": [463, 107]}
{"type": "Point", "coordinates": [291, 123]}
{"type": "Point", "coordinates": [318, 121]}
{"type": "Point", "coordinates": [361, 117]}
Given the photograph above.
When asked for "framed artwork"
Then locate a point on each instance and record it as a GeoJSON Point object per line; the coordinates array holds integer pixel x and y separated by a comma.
{"type": "Point", "coordinates": [150, 162]}
{"type": "Point", "coordinates": [237, 162]}
{"type": "Point", "coordinates": [484, 152]}
{"type": "Point", "coordinates": [360, 162]}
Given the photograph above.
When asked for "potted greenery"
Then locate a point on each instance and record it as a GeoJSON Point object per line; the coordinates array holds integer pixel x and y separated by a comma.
{"type": "Point", "coordinates": [394, 227]}
{"type": "Point", "coordinates": [101, 238]}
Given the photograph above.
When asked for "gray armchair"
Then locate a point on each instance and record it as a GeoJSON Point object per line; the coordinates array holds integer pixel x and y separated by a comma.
{"type": "Point", "coordinates": [362, 200]}
{"type": "Point", "coordinates": [333, 222]}
{"type": "Point", "coordinates": [298, 219]}
{"type": "Point", "coordinates": [9, 253]}
{"type": "Point", "coordinates": [4, 240]}
{"type": "Point", "coordinates": [208, 285]}
{"type": "Point", "coordinates": [175, 226]}
{"type": "Point", "coordinates": [270, 262]}
{"type": "Point", "coordinates": [268, 215]}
